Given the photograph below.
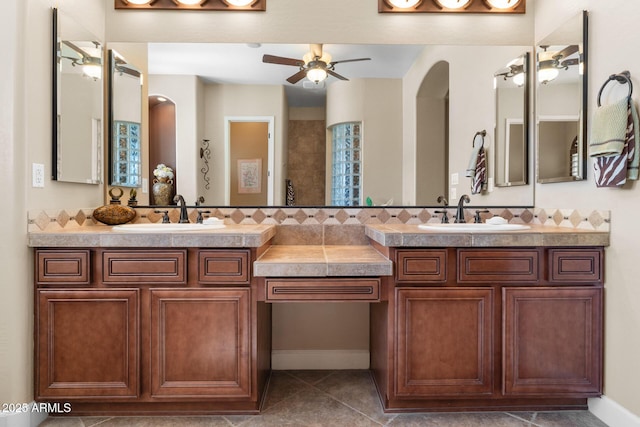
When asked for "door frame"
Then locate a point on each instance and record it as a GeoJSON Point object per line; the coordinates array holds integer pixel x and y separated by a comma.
{"type": "Point", "coordinates": [270, 150]}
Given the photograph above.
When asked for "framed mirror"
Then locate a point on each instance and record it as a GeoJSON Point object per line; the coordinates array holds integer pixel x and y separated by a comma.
{"type": "Point", "coordinates": [125, 122]}
{"type": "Point", "coordinates": [77, 102]}
{"type": "Point", "coordinates": [561, 103]}
{"type": "Point", "coordinates": [512, 122]}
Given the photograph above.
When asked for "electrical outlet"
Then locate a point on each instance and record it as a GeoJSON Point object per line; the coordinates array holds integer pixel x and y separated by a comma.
{"type": "Point", "coordinates": [453, 194]}
{"type": "Point", "coordinates": [145, 185]}
{"type": "Point", "coordinates": [38, 175]}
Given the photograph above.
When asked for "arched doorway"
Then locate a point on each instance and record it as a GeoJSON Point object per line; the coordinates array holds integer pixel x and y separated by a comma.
{"type": "Point", "coordinates": [162, 136]}
{"type": "Point", "coordinates": [432, 135]}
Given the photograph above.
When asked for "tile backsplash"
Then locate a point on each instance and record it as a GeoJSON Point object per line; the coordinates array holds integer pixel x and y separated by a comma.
{"type": "Point", "coordinates": [46, 220]}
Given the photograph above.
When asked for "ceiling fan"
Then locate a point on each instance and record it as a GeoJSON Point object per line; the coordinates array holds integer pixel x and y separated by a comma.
{"type": "Point", "coordinates": [316, 65]}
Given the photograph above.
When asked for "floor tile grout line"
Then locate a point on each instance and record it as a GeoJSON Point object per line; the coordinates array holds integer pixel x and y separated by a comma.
{"type": "Point", "coordinates": [347, 405]}
{"type": "Point", "coordinates": [529, 422]}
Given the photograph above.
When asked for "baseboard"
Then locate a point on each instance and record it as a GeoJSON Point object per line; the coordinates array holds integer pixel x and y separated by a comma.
{"type": "Point", "coordinates": [31, 417]}
{"type": "Point", "coordinates": [319, 359]}
{"type": "Point", "coordinates": [612, 413]}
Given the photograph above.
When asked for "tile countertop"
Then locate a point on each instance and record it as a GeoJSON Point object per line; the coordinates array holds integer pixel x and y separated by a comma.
{"type": "Point", "coordinates": [409, 235]}
{"type": "Point", "coordinates": [231, 236]}
{"type": "Point", "coordinates": [321, 261]}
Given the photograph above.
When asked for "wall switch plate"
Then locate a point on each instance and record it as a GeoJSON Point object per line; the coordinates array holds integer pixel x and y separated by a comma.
{"type": "Point", "coordinates": [454, 178]}
{"type": "Point", "coordinates": [37, 180]}
{"type": "Point", "coordinates": [490, 185]}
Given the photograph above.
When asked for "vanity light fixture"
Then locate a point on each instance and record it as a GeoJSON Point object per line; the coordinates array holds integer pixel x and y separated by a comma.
{"type": "Point", "coordinates": [231, 5]}
{"type": "Point", "coordinates": [453, 6]}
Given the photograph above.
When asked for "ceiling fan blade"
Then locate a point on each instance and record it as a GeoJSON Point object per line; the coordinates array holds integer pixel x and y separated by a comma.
{"type": "Point", "coordinates": [570, 62]}
{"type": "Point", "coordinates": [271, 59]}
{"type": "Point", "coordinates": [297, 77]}
{"type": "Point", "coordinates": [349, 60]}
{"type": "Point", "coordinates": [567, 51]}
{"type": "Point", "coordinates": [336, 75]}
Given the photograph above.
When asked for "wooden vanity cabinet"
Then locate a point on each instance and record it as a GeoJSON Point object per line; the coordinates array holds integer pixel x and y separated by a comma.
{"type": "Point", "coordinates": [481, 328]}
{"type": "Point", "coordinates": [128, 331]}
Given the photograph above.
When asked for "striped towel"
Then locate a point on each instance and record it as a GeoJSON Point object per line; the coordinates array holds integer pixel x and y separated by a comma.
{"type": "Point", "coordinates": [479, 181]}
{"type": "Point", "coordinates": [613, 171]}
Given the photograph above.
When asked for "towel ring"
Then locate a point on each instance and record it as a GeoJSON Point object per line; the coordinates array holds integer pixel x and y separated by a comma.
{"type": "Point", "coordinates": [622, 78]}
{"type": "Point", "coordinates": [482, 133]}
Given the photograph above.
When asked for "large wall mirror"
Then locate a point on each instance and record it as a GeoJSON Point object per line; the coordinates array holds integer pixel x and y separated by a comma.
{"type": "Point", "coordinates": [77, 102]}
{"type": "Point", "coordinates": [304, 114]}
{"type": "Point", "coordinates": [125, 122]}
{"type": "Point", "coordinates": [512, 123]}
{"type": "Point", "coordinates": [561, 103]}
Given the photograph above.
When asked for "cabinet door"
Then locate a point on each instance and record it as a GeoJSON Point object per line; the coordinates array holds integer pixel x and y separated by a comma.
{"type": "Point", "coordinates": [444, 342]}
{"type": "Point", "coordinates": [200, 343]}
{"type": "Point", "coordinates": [552, 341]}
{"type": "Point", "coordinates": [87, 343]}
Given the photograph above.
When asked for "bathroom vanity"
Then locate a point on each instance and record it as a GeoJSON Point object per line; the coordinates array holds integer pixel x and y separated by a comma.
{"type": "Point", "coordinates": [180, 323]}
{"type": "Point", "coordinates": [474, 326]}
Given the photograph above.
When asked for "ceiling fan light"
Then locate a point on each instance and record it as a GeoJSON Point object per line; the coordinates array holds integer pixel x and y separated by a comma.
{"type": "Point", "coordinates": [93, 71]}
{"type": "Point", "coordinates": [545, 75]}
{"type": "Point", "coordinates": [503, 4]}
{"type": "Point", "coordinates": [403, 4]}
{"type": "Point", "coordinates": [518, 79]}
{"type": "Point", "coordinates": [317, 75]}
{"type": "Point", "coordinates": [453, 4]}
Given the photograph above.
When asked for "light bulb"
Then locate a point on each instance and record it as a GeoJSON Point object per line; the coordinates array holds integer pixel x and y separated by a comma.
{"type": "Point", "coordinates": [403, 4]}
{"type": "Point", "coordinates": [503, 4]}
{"type": "Point", "coordinates": [189, 2]}
{"type": "Point", "coordinates": [137, 1]}
{"type": "Point", "coordinates": [453, 4]}
{"type": "Point", "coordinates": [239, 3]}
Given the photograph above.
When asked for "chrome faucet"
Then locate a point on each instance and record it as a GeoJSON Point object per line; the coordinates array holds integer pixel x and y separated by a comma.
{"type": "Point", "coordinates": [184, 217]}
{"type": "Point", "coordinates": [460, 210]}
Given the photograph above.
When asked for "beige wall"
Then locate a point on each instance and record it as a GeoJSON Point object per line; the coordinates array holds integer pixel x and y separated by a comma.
{"type": "Point", "coordinates": [609, 22]}
{"type": "Point", "coordinates": [25, 131]}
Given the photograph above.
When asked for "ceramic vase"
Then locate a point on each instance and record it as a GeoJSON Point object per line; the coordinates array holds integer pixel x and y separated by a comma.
{"type": "Point", "coordinates": [162, 191]}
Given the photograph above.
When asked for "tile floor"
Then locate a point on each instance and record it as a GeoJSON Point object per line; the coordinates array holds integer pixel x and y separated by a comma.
{"type": "Point", "coordinates": [336, 399]}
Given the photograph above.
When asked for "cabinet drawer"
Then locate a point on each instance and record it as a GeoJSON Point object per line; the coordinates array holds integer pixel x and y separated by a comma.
{"type": "Point", "coordinates": [502, 265]}
{"type": "Point", "coordinates": [223, 267]}
{"type": "Point", "coordinates": [575, 266]}
{"type": "Point", "coordinates": [62, 266]}
{"type": "Point", "coordinates": [147, 267]}
{"type": "Point", "coordinates": [421, 266]}
{"type": "Point", "coordinates": [323, 290]}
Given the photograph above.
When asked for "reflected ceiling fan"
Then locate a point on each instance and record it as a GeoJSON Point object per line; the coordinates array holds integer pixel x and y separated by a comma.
{"type": "Point", "coordinates": [316, 65]}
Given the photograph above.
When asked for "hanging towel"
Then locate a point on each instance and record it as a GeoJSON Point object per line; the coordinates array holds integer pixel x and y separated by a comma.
{"type": "Point", "coordinates": [613, 171]}
{"type": "Point", "coordinates": [478, 143]}
{"type": "Point", "coordinates": [608, 129]}
{"type": "Point", "coordinates": [478, 183]}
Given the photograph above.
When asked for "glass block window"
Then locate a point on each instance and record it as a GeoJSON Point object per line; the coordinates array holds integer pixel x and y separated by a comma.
{"type": "Point", "coordinates": [346, 182]}
{"type": "Point", "coordinates": [126, 154]}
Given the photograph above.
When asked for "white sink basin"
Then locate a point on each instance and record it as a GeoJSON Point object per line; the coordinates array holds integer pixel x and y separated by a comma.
{"type": "Point", "coordinates": [471, 227]}
{"type": "Point", "coordinates": [165, 228]}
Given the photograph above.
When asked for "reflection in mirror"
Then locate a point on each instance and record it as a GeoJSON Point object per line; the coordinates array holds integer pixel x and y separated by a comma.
{"type": "Point", "coordinates": [512, 124]}
{"type": "Point", "coordinates": [125, 116]}
{"type": "Point", "coordinates": [77, 103]}
{"type": "Point", "coordinates": [561, 103]}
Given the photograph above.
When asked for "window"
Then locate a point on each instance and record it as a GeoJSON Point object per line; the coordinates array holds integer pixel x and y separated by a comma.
{"type": "Point", "coordinates": [346, 167]}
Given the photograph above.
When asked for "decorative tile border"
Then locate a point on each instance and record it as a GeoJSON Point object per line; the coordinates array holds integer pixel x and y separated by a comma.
{"type": "Point", "coordinates": [46, 220]}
